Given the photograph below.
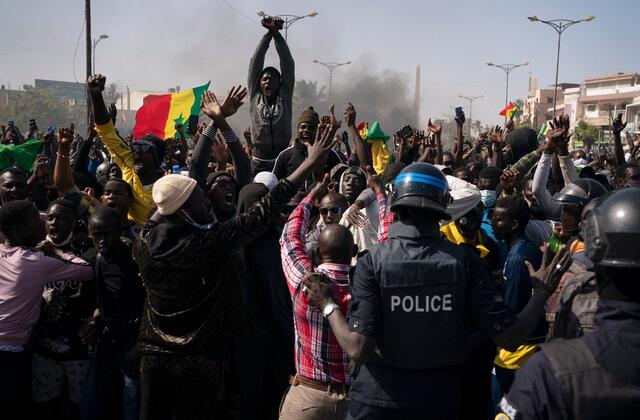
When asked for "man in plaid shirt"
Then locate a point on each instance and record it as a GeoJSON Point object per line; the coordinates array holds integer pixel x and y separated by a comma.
{"type": "Point", "coordinates": [319, 390]}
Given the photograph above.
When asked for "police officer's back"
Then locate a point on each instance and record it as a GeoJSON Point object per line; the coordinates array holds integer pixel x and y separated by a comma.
{"type": "Point", "coordinates": [416, 298]}
{"type": "Point", "coordinates": [598, 375]}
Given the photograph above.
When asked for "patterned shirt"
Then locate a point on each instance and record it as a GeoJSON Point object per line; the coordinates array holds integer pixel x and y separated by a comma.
{"type": "Point", "coordinates": [386, 218]}
{"type": "Point", "coordinates": [318, 354]}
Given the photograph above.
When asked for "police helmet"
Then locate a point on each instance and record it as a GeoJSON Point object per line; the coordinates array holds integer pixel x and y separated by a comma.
{"type": "Point", "coordinates": [422, 186]}
{"type": "Point", "coordinates": [102, 172]}
{"type": "Point", "coordinates": [580, 192]}
{"type": "Point", "coordinates": [612, 230]}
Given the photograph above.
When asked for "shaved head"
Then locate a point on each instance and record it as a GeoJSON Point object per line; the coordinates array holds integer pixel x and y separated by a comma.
{"type": "Point", "coordinates": [335, 244]}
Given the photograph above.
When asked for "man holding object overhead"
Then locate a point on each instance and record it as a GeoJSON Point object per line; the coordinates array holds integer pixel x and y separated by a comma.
{"type": "Point", "coordinates": [271, 95]}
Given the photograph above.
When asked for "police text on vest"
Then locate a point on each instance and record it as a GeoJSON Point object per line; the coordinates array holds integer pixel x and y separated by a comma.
{"type": "Point", "coordinates": [435, 303]}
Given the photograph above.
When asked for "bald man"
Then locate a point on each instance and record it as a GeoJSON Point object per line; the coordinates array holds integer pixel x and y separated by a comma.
{"type": "Point", "coordinates": [322, 368]}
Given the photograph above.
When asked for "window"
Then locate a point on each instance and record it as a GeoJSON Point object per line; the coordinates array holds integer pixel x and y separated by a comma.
{"type": "Point", "coordinates": [549, 100]}
{"type": "Point", "coordinates": [591, 108]}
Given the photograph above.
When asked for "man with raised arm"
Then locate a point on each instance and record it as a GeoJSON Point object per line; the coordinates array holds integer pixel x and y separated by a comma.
{"type": "Point", "coordinates": [271, 95]}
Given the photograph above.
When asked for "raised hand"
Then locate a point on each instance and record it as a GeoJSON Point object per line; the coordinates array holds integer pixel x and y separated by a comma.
{"type": "Point", "coordinates": [272, 23]}
{"type": "Point", "coordinates": [41, 166]}
{"type": "Point", "coordinates": [113, 112]}
{"type": "Point", "coordinates": [551, 270]}
{"type": "Point", "coordinates": [211, 107]}
{"type": "Point", "coordinates": [95, 83]}
{"type": "Point", "coordinates": [508, 180]}
{"type": "Point", "coordinates": [65, 136]}
{"type": "Point", "coordinates": [617, 125]}
{"type": "Point", "coordinates": [496, 135]}
{"type": "Point", "coordinates": [436, 129]}
{"type": "Point", "coordinates": [335, 123]}
{"type": "Point", "coordinates": [509, 126]}
{"type": "Point", "coordinates": [461, 119]}
{"type": "Point", "coordinates": [322, 144]}
{"type": "Point", "coordinates": [350, 116]}
{"type": "Point", "coordinates": [233, 101]}
{"type": "Point", "coordinates": [220, 150]}
{"type": "Point", "coordinates": [320, 189]}
{"type": "Point", "coordinates": [247, 135]}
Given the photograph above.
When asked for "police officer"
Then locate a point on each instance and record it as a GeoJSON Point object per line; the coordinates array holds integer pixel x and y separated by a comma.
{"type": "Point", "coordinates": [596, 376]}
{"type": "Point", "coordinates": [415, 300]}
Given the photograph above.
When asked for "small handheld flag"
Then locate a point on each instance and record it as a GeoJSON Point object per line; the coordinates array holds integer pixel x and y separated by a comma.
{"type": "Point", "coordinates": [509, 111]}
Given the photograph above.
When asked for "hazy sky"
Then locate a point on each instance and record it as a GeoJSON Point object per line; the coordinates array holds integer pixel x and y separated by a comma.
{"type": "Point", "coordinates": [153, 45]}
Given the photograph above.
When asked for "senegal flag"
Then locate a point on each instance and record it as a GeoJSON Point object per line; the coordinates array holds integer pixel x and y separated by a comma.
{"type": "Point", "coordinates": [160, 113]}
{"type": "Point", "coordinates": [509, 111]}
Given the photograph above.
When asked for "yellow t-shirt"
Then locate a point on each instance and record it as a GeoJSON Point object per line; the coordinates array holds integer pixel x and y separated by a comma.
{"type": "Point", "coordinates": [450, 230]}
{"type": "Point", "coordinates": [514, 360]}
{"type": "Point", "coordinates": [122, 155]}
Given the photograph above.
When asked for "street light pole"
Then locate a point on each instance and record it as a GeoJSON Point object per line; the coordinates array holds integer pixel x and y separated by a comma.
{"type": "Point", "coordinates": [95, 43]}
{"type": "Point", "coordinates": [470, 99]}
{"type": "Point", "coordinates": [559, 25]}
{"type": "Point", "coordinates": [87, 20]}
{"type": "Point", "coordinates": [507, 68]}
{"type": "Point", "coordinates": [331, 66]}
{"type": "Point", "coordinates": [288, 19]}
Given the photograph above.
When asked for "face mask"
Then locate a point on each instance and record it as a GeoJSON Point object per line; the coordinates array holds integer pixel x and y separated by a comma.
{"type": "Point", "coordinates": [488, 198]}
{"type": "Point", "coordinates": [60, 244]}
{"type": "Point", "coordinates": [194, 223]}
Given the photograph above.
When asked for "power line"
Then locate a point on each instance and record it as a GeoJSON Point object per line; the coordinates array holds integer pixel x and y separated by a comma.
{"type": "Point", "coordinates": [76, 51]}
{"type": "Point", "coordinates": [239, 12]}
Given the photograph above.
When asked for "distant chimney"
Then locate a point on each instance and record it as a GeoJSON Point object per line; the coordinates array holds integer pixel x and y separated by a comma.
{"type": "Point", "coordinates": [177, 89]}
{"type": "Point", "coordinates": [128, 99]}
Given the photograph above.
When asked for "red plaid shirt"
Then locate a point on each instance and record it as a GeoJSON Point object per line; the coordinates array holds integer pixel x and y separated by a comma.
{"type": "Point", "coordinates": [318, 354]}
{"type": "Point", "coordinates": [385, 219]}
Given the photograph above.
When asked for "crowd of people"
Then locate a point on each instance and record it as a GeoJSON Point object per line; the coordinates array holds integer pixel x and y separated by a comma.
{"type": "Point", "coordinates": [326, 274]}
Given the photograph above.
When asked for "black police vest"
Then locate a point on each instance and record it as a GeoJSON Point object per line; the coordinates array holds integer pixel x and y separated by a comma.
{"type": "Point", "coordinates": [424, 303]}
{"type": "Point", "coordinates": [589, 390]}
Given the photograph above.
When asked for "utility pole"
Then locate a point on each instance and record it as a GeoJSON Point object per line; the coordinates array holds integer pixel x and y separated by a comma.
{"type": "Point", "coordinates": [416, 98]}
{"type": "Point", "coordinates": [87, 17]}
{"type": "Point", "coordinates": [470, 99]}
{"type": "Point", "coordinates": [331, 66]}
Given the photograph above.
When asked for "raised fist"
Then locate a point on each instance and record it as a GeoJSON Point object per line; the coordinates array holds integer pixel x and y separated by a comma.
{"type": "Point", "coordinates": [96, 82]}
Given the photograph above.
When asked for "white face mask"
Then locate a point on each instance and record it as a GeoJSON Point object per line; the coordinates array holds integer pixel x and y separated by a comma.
{"type": "Point", "coordinates": [66, 242]}
{"type": "Point", "coordinates": [194, 223]}
{"type": "Point", "coordinates": [488, 198]}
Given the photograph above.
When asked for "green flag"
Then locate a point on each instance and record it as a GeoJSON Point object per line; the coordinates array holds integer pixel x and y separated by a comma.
{"type": "Point", "coordinates": [22, 155]}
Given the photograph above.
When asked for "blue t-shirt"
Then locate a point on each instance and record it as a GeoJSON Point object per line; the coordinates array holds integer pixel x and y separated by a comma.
{"type": "Point", "coordinates": [517, 287]}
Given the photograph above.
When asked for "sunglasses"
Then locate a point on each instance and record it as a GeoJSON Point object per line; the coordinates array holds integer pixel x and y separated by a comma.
{"type": "Point", "coordinates": [335, 210]}
{"type": "Point", "coordinates": [140, 147]}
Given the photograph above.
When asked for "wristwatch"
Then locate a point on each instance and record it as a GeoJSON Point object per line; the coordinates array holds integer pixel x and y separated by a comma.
{"type": "Point", "coordinates": [328, 309]}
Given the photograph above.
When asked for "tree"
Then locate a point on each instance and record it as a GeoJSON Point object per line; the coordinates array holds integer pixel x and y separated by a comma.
{"type": "Point", "coordinates": [585, 134]}
{"type": "Point", "coordinates": [306, 94]}
{"type": "Point", "coordinates": [112, 93]}
{"type": "Point", "coordinates": [40, 104]}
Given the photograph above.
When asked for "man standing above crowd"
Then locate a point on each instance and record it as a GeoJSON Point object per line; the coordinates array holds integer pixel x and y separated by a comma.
{"type": "Point", "coordinates": [271, 96]}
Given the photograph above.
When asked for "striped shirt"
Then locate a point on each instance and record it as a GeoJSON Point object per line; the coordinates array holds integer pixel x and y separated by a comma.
{"type": "Point", "coordinates": [318, 355]}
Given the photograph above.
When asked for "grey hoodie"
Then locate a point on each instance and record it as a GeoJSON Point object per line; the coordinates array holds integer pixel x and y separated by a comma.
{"type": "Point", "coordinates": [271, 124]}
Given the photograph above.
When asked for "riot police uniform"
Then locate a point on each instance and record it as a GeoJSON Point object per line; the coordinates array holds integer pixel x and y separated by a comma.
{"type": "Point", "coordinates": [420, 297]}
{"type": "Point", "coordinates": [598, 375]}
